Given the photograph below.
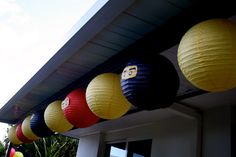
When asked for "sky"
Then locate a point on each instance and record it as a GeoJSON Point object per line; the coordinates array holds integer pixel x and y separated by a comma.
{"type": "Point", "coordinates": [31, 32]}
{"type": "Point", "coordinates": [117, 152]}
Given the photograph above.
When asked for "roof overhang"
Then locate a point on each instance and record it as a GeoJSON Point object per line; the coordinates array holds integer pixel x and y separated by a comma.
{"type": "Point", "coordinates": [118, 31]}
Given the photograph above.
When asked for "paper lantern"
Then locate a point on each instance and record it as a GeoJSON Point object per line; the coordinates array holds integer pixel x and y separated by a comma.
{"type": "Point", "coordinates": [27, 131]}
{"type": "Point", "coordinates": [20, 134]}
{"type": "Point", "coordinates": [150, 83]}
{"type": "Point", "coordinates": [12, 152]}
{"type": "Point", "coordinates": [76, 109]}
{"type": "Point", "coordinates": [55, 119]}
{"type": "Point", "coordinates": [105, 98]}
{"type": "Point", "coordinates": [38, 126]}
{"type": "Point", "coordinates": [12, 136]}
{"type": "Point", "coordinates": [18, 154]}
{"type": "Point", "coordinates": [207, 55]}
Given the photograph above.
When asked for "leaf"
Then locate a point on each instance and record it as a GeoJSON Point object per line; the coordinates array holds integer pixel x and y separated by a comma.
{"type": "Point", "coordinates": [37, 148]}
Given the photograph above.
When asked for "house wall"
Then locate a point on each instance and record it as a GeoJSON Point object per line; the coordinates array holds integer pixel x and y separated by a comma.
{"type": "Point", "coordinates": [89, 146]}
{"type": "Point", "coordinates": [233, 131]}
{"type": "Point", "coordinates": [172, 137]}
{"type": "Point", "coordinates": [217, 132]}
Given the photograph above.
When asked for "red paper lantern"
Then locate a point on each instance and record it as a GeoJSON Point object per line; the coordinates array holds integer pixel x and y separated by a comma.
{"type": "Point", "coordinates": [12, 152]}
{"type": "Point", "coordinates": [12, 135]}
{"type": "Point", "coordinates": [20, 134]}
{"type": "Point", "coordinates": [76, 110]}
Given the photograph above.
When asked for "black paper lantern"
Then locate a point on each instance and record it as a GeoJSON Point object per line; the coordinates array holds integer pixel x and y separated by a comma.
{"type": "Point", "coordinates": [38, 125]}
{"type": "Point", "coordinates": [150, 83]}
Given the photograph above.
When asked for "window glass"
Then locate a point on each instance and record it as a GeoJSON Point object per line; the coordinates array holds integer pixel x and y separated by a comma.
{"type": "Point", "coordinates": [116, 150]}
{"type": "Point", "coordinates": [129, 149]}
{"type": "Point", "coordinates": [137, 155]}
{"type": "Point", "coordinates": [139, 148]}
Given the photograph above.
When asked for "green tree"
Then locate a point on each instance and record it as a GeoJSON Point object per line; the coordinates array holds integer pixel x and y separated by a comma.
{"type": "Point", "coordinates": [2, 149]}
{"type": "Point", "coordinates": [53, 146]}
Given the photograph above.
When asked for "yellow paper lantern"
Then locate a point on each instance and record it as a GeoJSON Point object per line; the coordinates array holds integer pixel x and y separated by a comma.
{"type": "Point", "coordinates": [207, 55]}
{"type": "Point", "coordinates": [18, 154]}
{"type": "Point", "coordinates": [12, 135]}
{"type": "Point", "coordinates": [105, 98]}
{"type": "Point", "coordinates": [27, 131]}
{"type": "Point", "coordinates": [55, 119]}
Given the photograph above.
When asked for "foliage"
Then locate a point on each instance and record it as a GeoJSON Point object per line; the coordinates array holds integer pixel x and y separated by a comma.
{"type": "Point", "coordinates": [2, 150]}
{"type": "Point", "coordinates": [53, 146]}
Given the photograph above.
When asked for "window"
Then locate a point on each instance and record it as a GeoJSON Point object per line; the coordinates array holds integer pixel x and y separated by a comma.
{"type": "Point", "coordinates": [129, 149]}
